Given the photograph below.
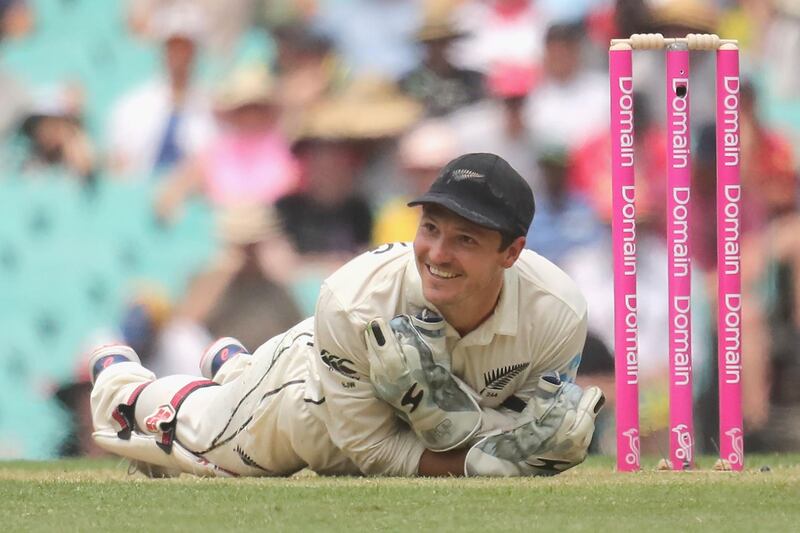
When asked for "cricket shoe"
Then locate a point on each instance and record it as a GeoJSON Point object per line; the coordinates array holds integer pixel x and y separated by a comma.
{"type": "Point", "coordinates": [220, 352]}
{"type": "Point", "coordinates": [105, 356]}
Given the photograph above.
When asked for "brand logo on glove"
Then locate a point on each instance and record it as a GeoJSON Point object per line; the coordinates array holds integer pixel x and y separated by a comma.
{"type": "Point", "coordinates": [339, 364]}
{"type": "Point", "coordinates": [409, 398]}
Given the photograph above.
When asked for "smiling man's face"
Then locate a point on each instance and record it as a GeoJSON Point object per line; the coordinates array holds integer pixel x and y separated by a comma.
{"type": "Point", "coordinates": [461, 264]}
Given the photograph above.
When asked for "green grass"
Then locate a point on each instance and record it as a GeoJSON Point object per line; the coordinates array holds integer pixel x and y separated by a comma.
{"type": "Point", "coordinates": [86, 495]}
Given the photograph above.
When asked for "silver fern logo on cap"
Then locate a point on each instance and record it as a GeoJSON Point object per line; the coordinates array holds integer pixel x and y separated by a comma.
{"type": "Point", "coordinates": [461, 174]}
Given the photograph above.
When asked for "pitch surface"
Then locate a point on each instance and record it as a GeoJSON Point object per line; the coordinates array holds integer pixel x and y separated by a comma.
{"type": "Point", "coordinates": [91, 495]}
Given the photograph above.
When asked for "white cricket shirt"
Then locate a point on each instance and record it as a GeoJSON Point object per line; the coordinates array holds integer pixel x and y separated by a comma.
{"type": "Point", "coordinates": [539, 325]}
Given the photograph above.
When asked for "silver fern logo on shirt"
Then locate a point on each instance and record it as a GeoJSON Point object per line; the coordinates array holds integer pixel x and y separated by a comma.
{"type": "Point", "coordinates": [499, 378]}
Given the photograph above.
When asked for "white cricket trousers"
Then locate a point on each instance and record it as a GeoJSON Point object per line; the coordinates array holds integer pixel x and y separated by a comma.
{"type": "Point", "coordinates": [254, 419]}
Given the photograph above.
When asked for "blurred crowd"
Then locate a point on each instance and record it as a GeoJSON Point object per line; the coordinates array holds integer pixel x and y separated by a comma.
{"type": "Point", "coordinates": [306, 125]}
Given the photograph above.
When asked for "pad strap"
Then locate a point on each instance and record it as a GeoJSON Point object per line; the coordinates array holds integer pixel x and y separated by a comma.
{"type": "Point", "coordinates": [123, 414]}
{"type": "Point", "coordinates": [515, 403]}
{"type": "Point", "coordinates": [163, 421]}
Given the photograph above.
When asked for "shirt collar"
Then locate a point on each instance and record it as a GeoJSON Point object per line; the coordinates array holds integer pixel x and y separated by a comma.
{"type": "Point", "coordinates": [503, 321]}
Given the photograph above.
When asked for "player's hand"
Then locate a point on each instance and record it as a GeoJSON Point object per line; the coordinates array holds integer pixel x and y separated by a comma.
{"type": "Point", "coordinates": [554, 434]}
{"type": "Point", "coordinates": [407, 368]}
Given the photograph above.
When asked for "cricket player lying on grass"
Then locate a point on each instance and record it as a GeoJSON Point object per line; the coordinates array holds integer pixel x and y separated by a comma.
{"type": "Point", "coordinates": [456, 356]}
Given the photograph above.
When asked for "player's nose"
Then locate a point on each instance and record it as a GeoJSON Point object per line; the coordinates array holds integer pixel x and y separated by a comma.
{"type": "Point", "coordinates": [439, 252]}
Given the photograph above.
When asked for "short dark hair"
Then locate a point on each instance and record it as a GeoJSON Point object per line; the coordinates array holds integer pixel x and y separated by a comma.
{"type": "Point", "coordinates": [565, 32]}
{"type": "Point", "coordinates": [506, 239]}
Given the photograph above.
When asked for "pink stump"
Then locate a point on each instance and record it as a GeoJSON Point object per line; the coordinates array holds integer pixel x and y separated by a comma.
{"type": "Point", "coordinates": [623, 231]}
{"type": "Point", "coordinates": [681, 427]}
{"type": "Point", "coordinates": [729, 308]}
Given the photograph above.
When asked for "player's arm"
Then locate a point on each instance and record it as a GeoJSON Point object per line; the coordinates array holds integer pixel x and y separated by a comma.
{"type": "Point", "coordinates": [408, 355]}
{"type": "Point", "coordinates": [408, 370]}
{"type": "Point", "coordinates": [550, 435]}
{"type": "Point", "coordinates": [364, 427]}
{"type": "Point", "coordinates": [554, 430]}
{"type": "Point", "coordinates": [435, 464]}
{"type": "Point", "coordinates": [553, 433]}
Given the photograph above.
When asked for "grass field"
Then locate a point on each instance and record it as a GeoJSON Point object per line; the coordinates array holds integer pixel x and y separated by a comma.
{"type": "Point", "coordinates": [92, 495]}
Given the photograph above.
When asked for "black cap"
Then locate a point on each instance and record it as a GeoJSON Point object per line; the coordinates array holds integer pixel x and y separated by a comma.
{"type": "Point", "coordinates": [486, 190]}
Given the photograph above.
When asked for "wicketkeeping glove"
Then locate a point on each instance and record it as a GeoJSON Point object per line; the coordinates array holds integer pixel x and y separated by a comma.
{"type": "Point", "coordinates": [407, 369]}
{"type": "Point", "coordinates": [554, 434]}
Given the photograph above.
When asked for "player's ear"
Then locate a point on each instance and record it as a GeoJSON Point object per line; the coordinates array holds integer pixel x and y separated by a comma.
{"type": "Point", "coordinates": [511, 254]}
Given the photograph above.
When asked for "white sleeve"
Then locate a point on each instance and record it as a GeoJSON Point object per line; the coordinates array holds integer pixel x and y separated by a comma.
{"type": "Point", "coordinates": [564, 357]}
{"type": "Point", "coordinates": [364, 427]}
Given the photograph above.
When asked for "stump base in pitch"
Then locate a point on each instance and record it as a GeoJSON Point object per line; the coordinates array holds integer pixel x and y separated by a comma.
{"type": "Point", "coordinates": [722, 466]}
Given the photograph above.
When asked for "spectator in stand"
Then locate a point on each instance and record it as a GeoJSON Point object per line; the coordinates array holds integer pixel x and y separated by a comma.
{"type": "Point", "coordinates": [55, 136]}
{"type": "Point", "coordinates": [276, 13]}
{"type": "Point", "coordinates": [768, 173]}
{"type": "Point", "coordinates": [497, 124]}
{"type": "Point", "coordinates": [781, 305]}
{"type": "Point", "coordinates": [437, 83]}
{"type": "Point", "coordinates": [564, 222]}
{"type": "Point", "coordinates": [249, 163]}
{"type": "Point", "coordinates": [16, 20]}
{"type": "Point", "coordinates": [157, 124]}
{"type": "Point", "coordinates": [590, 166]}
{"type": "Point", "coordinates": [422, 153]}
{"type": "Point", "coordinates": [779, 50]}
{"type": "Point", "coordinates": [570, 104]}
{"type": "Point", "coordinates": [16, 103]}
{"type": "Point", "coordinates": [243, 291]}
{"type": "Point", "coordinates": [768, 164]}
{"type": "Point", "coordinates": [227, 21]}
{"type": "Point", "coordinates": [306, 68]}
{"type": "Point", "coordinates": [372, 36]}
{"type": "Point", "coordinates": [499, 31]}
{"type": "Point", "coordinates": [769, 242]}
{"type": "Point", "coordinates": [330, 221]}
